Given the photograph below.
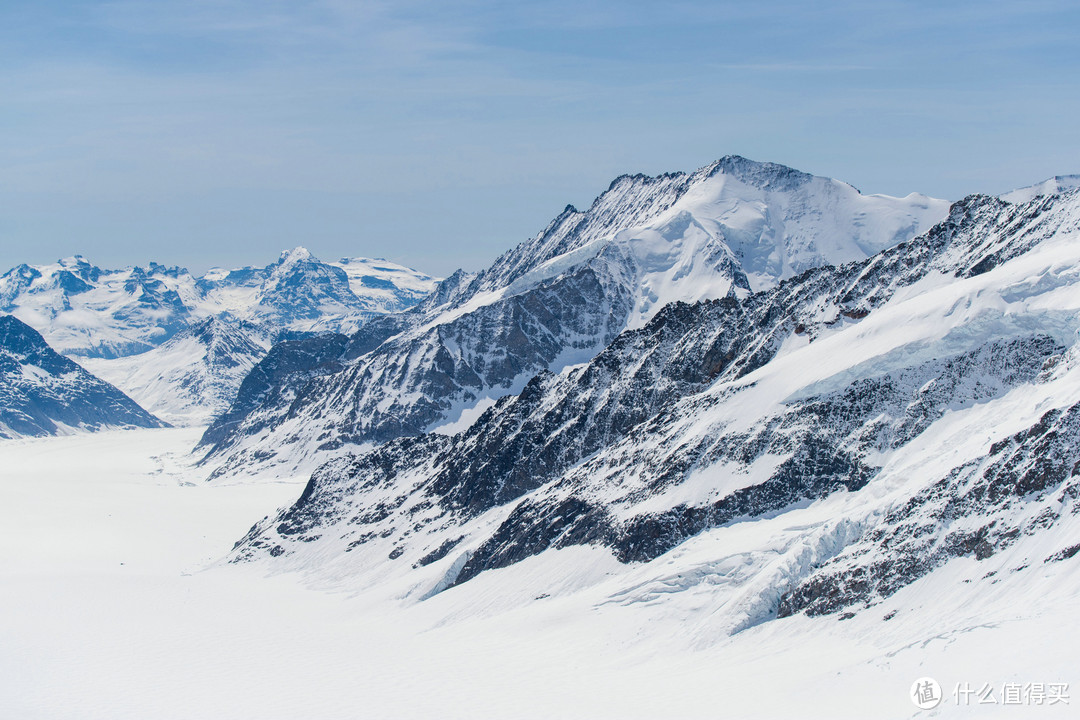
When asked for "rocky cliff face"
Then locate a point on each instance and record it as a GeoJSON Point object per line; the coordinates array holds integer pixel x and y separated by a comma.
{"type": "Point", "coordinates": [1026, 485]}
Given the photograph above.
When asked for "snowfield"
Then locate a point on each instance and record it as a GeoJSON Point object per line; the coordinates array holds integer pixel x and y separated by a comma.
{"type": "Point", "coordinates": [116, 604]}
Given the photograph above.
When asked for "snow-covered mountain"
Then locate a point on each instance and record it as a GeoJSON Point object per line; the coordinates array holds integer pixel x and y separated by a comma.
{"type": "Point", "coordinates": [181, 344]}
{"type": "Point", "coordinates": [300, 294]}
{"type": "Point", "coordinates": [44, 393]}
{"type": "Point", "coordinates": [85, 311]}
{"type": "Point", "coordinates": [729, 229]}
{"type": "Point", "coordinates": [193, 376]}
{"type": "Point", "coordinates": [845, 478]}
{"type": "Point", "coordinates": [817, 446]}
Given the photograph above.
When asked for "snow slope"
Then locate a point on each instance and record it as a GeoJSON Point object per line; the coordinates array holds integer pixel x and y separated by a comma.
{"type": "Point", "coordinates": [193, 376]}
{"type": "Point", "coordinates": [1052, 186]}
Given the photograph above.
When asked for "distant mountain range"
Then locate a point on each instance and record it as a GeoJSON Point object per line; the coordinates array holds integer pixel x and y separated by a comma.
{"type": "Point", "coordinates": [181, 344]}
{"type": "Point", "coordinates": [85, 311]}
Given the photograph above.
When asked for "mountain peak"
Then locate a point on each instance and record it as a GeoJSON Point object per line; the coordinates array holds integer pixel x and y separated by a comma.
{"type": "Point", "coordinates": [74, 261]}
{"type": "Point", "coordinates": [758, 174]}
{"type": "Point", "coordinates": [297, 254]}
{"type": "Point", "coordinates": [557, 299]}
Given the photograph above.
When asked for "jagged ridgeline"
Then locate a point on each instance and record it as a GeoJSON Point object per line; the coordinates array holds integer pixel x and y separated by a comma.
{"type": "Point", "coordinates": [833, 382]}
{"type": "Point", "coordinates": [727, 230]}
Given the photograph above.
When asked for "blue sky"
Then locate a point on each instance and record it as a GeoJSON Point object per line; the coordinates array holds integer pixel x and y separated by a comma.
{"type": "Point", "coordinates": [439, 134]}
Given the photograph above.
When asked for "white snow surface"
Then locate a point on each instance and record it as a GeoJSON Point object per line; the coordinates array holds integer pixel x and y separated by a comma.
{"type": "Point", "coordinates": [116, 606]}
{"type": "Point", "coordinates": [778, 229]}
{"type": "Point", "coordinates": [1052, 186]}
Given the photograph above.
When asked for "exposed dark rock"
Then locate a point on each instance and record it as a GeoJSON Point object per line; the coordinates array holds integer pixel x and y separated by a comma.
{"type": "Point", "coordinates": [977, 510]}
{"type": "Point", "coordinates": [41, 390]}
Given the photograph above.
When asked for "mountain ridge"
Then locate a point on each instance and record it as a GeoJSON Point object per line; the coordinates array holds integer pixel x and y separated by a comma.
{"type": "Point", "coordinates": [45, 393]}
{"type": "Point", "coordinates": [557, 299]}
{"type": "Point", "coordinates": [821, 402]}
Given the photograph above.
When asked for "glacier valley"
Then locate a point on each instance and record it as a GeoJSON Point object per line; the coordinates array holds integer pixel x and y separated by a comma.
{"type": "Point", "coordinates": [741, 442]}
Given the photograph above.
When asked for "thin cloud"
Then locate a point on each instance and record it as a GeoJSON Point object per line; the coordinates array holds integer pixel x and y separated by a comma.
{"type": "Point", "coordinates": [793, 67]}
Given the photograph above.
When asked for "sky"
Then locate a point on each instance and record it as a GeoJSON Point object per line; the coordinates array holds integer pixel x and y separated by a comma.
{"type": "Point", "coordinates": [440, 134]}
